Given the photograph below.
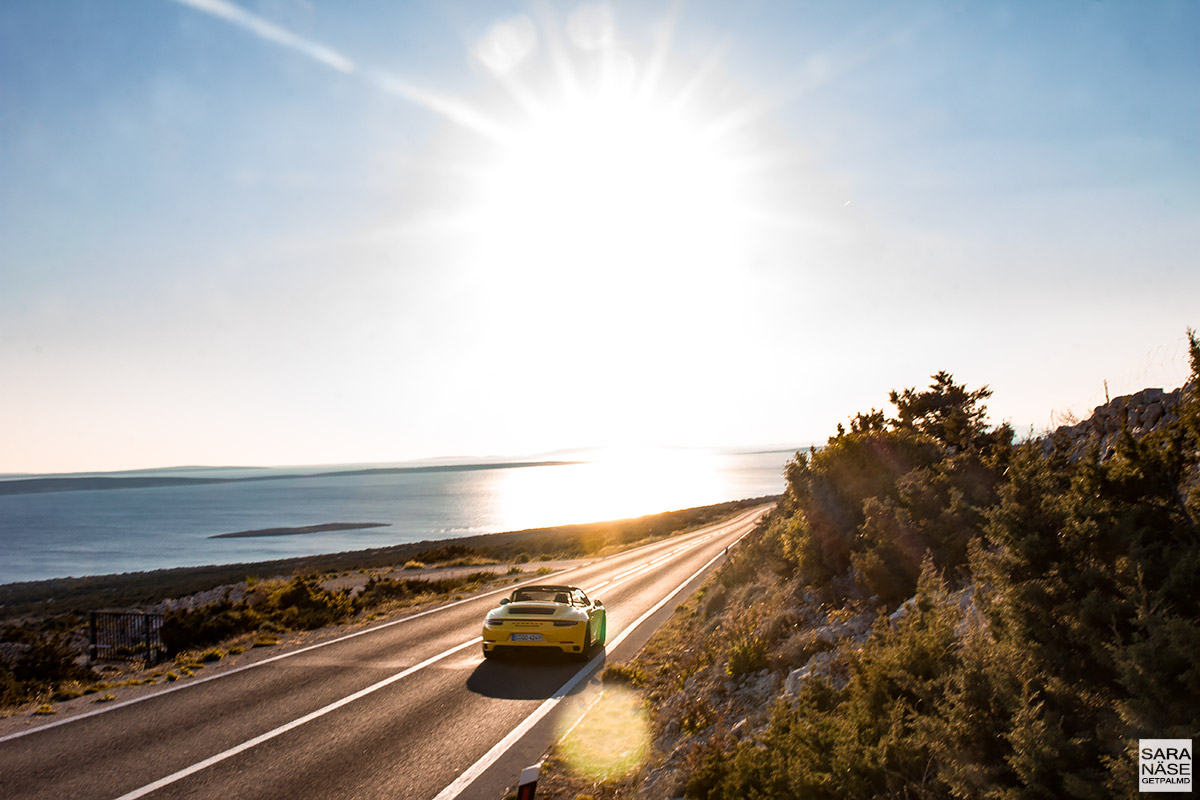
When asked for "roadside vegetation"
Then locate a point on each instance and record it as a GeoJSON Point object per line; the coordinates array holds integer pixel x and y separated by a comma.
{"type": "Point", "coordinates": [43, 646]}
{"type": "Point", "coordinates": [43, 599]}
{"type": "Point", "coordinates": [36, 661]}
{"type": "Point", "coordinates": [935, 611]}
{"type": "Point", "coordinates": [302, 604]}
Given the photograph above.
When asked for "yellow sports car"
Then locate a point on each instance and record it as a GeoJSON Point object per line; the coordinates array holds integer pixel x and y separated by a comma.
{"type": "Point", "coordinates": [559, 617]}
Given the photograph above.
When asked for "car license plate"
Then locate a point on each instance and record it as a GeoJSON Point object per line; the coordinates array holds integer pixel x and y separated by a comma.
{"type": "Point", "coordinates": [526, 637]}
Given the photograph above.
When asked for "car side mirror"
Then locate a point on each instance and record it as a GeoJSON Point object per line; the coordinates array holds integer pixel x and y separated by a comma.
{"type": "Point", "coordinates": [504, 602]}
{"type": "Point", "coordinates": [597, 603]}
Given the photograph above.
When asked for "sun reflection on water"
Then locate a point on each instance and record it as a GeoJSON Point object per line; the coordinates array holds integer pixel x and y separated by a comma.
{"type": "Point", "coordinates": [616, 484]}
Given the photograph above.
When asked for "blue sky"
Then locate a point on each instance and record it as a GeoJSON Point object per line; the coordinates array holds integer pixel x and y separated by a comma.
{"type": "Point", "coordinates": [289, 232]}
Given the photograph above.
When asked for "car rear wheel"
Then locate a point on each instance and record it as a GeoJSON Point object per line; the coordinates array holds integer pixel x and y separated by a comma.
{"type": "Point", "coordinates": [493, 653]}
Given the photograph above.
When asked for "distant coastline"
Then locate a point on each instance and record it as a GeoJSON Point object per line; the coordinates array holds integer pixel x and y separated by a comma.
{"type": "Point", "coordinates": [103, 483]}
{"type": "Point", "coordinates": [58, 525]}
{"type": "Point", "coordinates": [324, 528]}
{"type": "Point", "coordinates": [77, 595]}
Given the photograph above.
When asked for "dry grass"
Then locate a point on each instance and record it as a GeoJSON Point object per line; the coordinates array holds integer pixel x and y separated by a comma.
{"type": "Point", "coordinates": [602, 537]}
{"type": "Point", "coordinates": [697, 678]}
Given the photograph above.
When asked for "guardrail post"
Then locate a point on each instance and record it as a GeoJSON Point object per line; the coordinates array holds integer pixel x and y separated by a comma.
{"type": "Point", "coordinates": [527, 783]}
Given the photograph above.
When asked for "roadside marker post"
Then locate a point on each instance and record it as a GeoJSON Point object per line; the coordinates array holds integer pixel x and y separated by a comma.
{"type": "Point", "coordinates": [527, 783]}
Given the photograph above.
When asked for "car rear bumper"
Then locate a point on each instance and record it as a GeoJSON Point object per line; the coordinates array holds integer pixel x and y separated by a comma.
{"type": "Point", "coordinates": [566, 640]}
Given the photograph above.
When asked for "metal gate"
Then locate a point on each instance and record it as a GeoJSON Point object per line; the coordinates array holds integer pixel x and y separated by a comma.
{"type": "Point", "coordinates": [126, 636]}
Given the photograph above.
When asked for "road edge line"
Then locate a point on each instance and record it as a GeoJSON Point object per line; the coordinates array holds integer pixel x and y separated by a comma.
{"type": "Point", "coordinates": [468, 776]}
{"type": "Point", "coordinates": [372, 629]}
{"type": "Point", "coordinates": [296, 723]}
{"type": "Point", "coordinates": [235, 670]}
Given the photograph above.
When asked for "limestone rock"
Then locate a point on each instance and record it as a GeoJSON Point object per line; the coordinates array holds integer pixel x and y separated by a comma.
{"type": "Point", "coordinates": [1140, 413]}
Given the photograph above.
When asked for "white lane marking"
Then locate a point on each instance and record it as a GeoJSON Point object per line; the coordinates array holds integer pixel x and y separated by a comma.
{"type": "Point", "coordinates": [296, 723]}
{"type": "Point", "coordinates": [629, 575]}
{"type": "Point", "coordinates": [226, 673]}
{"type": "Point", "coordinates": [491, 756]}
{"type": "Point", "coordinates": [235, 670]}
{"type": "Point", "coordinates": [628, 572]}
{"type": "Point", "coordinates": [625, 576]}
{"type": "Point", "coordinates": [682, 548]}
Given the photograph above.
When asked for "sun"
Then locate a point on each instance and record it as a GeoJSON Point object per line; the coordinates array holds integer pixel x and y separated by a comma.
{"type": "Point", "coordinates": [600, 198]}
{"type": "Point", "coordinates": [609, 172]}
{"type": "Point", "coordinates": [602, 164]}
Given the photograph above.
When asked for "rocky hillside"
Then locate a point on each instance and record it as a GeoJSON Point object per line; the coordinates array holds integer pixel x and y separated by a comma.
{"type": "Point", "coordinates": [1147, 411]}
{"type": "Point", "coordinates": [934, 610]}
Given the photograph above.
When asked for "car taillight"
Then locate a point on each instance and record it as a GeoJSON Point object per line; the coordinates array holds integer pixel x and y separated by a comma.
{"type": "Point", "coordinates": [495, 622]}
{"type": "Point", "coordinates": [565, 623]}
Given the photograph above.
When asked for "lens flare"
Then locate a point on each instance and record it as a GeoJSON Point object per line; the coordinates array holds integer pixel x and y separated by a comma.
{"type": "Point", "coordinates": [611, 740]}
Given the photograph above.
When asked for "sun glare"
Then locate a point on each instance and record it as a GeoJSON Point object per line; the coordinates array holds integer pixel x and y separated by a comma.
{"type": "Point", "coordinates": [611, 170]}
{"type": "Point", "coordinates": [601, 210]}
{"type": "Point", "coordinates": [610, 740]}
{"type": "Point", "coordinates": [601, 164]}
{"type": "Point", "coordinates": [612, 484]}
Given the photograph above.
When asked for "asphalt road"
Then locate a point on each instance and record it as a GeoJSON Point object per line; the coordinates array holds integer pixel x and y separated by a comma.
{"type": "Point", "coordinates": [406, 709]}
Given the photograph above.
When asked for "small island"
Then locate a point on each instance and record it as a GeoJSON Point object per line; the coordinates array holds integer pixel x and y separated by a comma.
{"type": "Point", "coordinates": [325, 528]}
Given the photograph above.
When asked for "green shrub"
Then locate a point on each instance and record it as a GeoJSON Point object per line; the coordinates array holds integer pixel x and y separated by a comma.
{"type": "Point", "coordinates": [1078, 636]}
{"type": "Point", "coordinates": [47, 662]}
{"type": "Point", "coordinates": [870, 739]}
{"type": "Point", "coordinates": [304, 605]}
{"type": "Point", "coordinates": [882, 496]}
{"type": "Point", "coordinates": [626, 673]}
{"type": "Point", "coordinates": [190, 629]}
{"type": "Point", "coordinates": [446, 552]}
{"type": "Point", "coordinates": [378, 590]}
{"type": "Point", "coordinates": [747, 654]}
{"type": "Point", "coordinates": [714, 601]}
{"type": "Point", "coordinates": [696, 715]}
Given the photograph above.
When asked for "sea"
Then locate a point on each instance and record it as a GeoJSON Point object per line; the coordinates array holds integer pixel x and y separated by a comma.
{"type": "Point", "coordinates": [103, 523]}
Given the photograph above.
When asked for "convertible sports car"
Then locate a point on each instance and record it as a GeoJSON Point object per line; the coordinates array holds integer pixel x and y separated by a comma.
{"type": "Point", "coordinates": [559, 617]}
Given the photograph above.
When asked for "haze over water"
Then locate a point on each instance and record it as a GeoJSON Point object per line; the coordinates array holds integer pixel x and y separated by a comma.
{"type": "Point", "coordinates": [94, 531]}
